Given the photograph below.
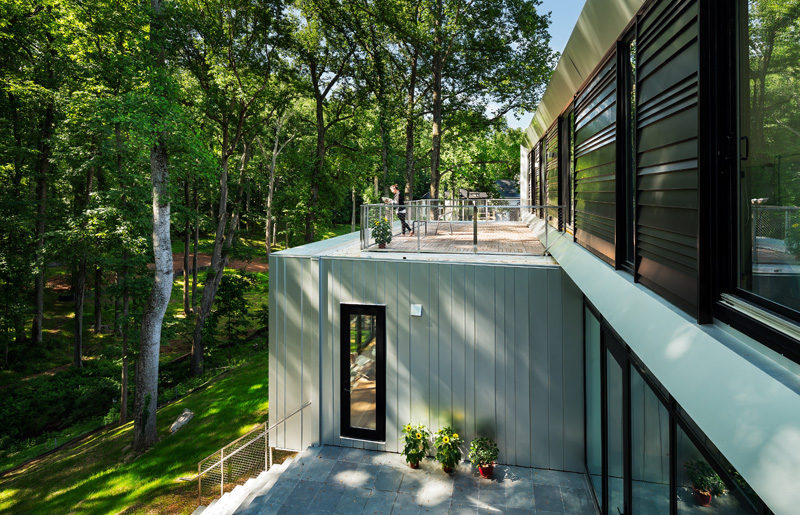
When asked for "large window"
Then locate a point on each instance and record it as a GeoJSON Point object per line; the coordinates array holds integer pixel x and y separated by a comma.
{"type": "Point", "coordinates": [627, 186]}
{"type": "Point", "coordinates": [769, 154]}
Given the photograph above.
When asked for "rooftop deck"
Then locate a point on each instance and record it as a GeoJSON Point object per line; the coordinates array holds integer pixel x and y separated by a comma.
{"type": "Point", "coordinates": [445, 237]}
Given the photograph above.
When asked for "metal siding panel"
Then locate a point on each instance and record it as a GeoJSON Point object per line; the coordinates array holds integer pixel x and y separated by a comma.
{"type": "Point", "coordinates": [522, 338]}
{"type": "Point", "coordinates": [572, 337]}
{"type": "Point", "coordinates": [388, 287]}
{"type": "Point", "coordinates": [432, 324]}
{"type": "Point", "coordinates": [555, 354]}
{"type": "Point", "coordinates": [445, 326]}
{"type": "Point", "coordinates": [294, 346]}
{"type": "Point", "coordinates": [404, 376]}
{"type": "Point", "coordinates": [540, 377]}
{"type": "Point", "coordinates": [509, 358]}
{"type": "Point", "coordinates": [327, 389]}
{"type": "Point", "coordinates": [310, 415]}
{"type": "Point", "coordinates": [336, 291]}
{"type": "Point", "coordinates": [498, 357]}
{"type": "Point", "coordinates": [459, 350]}
{"type": "Point", "coordinates": [419, 342]}
{"type": "Point", "coordinates": [274, 308]}
{"type": "Point", "coordinates": [470, 338]}
{"type": "Point", "coordinates": [281, 440]}
{"type": "Point", "coordinates": [484, 352]}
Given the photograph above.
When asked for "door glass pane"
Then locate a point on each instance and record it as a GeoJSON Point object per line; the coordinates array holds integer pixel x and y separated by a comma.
{"type": "Point", "coordinates": [594, 420]}
{"type": "Point", "coordinates": [695, 471]}
{"type": "Point", "coordinates": [769, 225]}
{"type": "Point", "coordinates": [363, 343]}
{"type": "Point", "coordinates": [616, 457]}
{"type": "Point", "coordinates": [649, 449]}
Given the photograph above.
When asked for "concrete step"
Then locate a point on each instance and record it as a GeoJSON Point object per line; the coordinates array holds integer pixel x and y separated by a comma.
{"type": "Point", "coordinates": [199, 510]}
{"type": "Point", "coordinates": [236, 497]}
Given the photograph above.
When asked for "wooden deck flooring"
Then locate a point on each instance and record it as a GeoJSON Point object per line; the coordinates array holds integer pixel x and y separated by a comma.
{"type": "Point", "coordinates": [493, 238]}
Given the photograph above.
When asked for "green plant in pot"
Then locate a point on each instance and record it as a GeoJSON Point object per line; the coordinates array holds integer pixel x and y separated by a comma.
{"type": "Point", "coordinates": [448, 452]}
{"type": "Point", "coordinates": [483, 453]}
{"type": "Point", "coordinates": [705, 482]}
{"type": "Point", "coordinates": [416, 443]}
{"type": "Point", "coordinates": [382, 231]}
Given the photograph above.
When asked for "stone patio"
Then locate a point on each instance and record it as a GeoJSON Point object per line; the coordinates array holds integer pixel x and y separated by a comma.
{"type": "Point", "coordinates": [341, 480]}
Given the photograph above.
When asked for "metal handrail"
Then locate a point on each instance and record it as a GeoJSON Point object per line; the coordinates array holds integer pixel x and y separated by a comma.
{"type": "Point", "coordinates": [465, 210]}
{"type": "Point", "coordinates": [262, 430]}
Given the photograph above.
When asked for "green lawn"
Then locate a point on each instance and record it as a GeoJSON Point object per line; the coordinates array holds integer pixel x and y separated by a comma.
{"type": "Point", "coordinates": [101, 476]}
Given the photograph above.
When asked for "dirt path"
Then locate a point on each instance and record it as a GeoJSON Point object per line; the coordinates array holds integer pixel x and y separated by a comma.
{"type": "Point", "coordinates": [204, 261]}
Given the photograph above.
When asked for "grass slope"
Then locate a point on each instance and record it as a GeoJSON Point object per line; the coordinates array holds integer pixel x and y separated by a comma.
{"type": "Point", "coordinates": [100, 475]}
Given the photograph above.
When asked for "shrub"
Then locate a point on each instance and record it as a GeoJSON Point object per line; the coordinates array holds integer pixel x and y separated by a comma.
{"type": "Point", "coordinates": [51, 403]}
{"type": "Point", "coordinates": [483, 451]}
{"type": "Point", "coordinates": [447, 451]}
{"type": "Point", "coordinates": [382, 231]}
{"type": "Point", "coordinates": [704, 478]}
{"type": "Point", "coordinates": [416, 443]}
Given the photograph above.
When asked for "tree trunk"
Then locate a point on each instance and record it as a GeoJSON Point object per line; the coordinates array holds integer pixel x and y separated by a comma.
{"type": "Point", "coordinates": [195, 239]}
{"type": "Point", "coordinates": [187, 234]}
{"type": "Point", "coordinates": [79, 291]}
{"type": "Point", "coordinates": [317, 171]}
{"type": "Point", "coordinates": [226, 228]}
{"type": "Point", "coordinates": [146, 394]}
{"type": "Point", "coordinates": [42, 169]}
{"type": "Point", "coordinates": [98, 299]}
{"type": "Point", "coordinates": [410, 118]}
{"type": "Point", "coordinates": [123, 400]}
{"type": "Point", "coordinates": [436, 134]}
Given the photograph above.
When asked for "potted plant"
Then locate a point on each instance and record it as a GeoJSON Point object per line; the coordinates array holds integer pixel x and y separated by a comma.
{"type": "Point", "coordinates": [447, 451]}
{"type": "Point", "coordinates": [382, 232]}
{"type": "Point", "coordinates": [483, 453]}
{"type": "Point", "coordinates": [705, 482]}
{"type": "Point", "coordinates": [416, 443]}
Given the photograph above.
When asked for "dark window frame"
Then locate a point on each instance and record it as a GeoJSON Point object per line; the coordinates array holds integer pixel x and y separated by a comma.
{"type": "Point", "coordinates": [677, 418]}
{"type": "Point", "coordinates": [625, 240]}
{"type": "Point", "coordinates": [720, 153]}
{"type": "Point", "coordinates": [346, 430]}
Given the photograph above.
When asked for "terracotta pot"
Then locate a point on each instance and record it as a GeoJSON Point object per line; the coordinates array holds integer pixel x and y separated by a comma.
{"type": "Point", "coordinates": [487, 471]}
{"type": "Point", "coordinates": [413, 465]}
{"type": "Point", "coordinates": [381, 245]}
{"type": "Point", "coordinates": [447, 469]}
{"type": "Point", "coordinates": [702, 498]}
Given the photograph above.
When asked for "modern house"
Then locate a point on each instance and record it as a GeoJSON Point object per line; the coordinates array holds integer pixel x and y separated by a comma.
{"type": "Point", "coordinates": [645, 332]}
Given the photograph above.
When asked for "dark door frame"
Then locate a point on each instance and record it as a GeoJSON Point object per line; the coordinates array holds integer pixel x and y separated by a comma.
{"type": "Point", "coordinates": [379, 312]}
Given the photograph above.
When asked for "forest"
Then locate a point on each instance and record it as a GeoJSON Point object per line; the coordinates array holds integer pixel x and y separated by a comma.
{"type": "Point", "coordinates": [154, 153]}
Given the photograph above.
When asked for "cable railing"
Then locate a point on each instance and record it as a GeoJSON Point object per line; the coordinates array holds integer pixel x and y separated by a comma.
{"type": "Point", "coordinates": [243, 458]}
{"type": "Point", "coordinates": [481, 226]}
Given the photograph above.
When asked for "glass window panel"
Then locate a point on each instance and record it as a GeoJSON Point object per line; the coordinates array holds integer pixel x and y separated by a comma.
{"type": "Point", "coordinates": [769, 224]}
{"type": "Point", "coordinates": [692, 468]}
{"type": "Point", "coordinates": [616, 456]}
{"type": "Point", "coordinates": [363, 397]}
{"type": "Point", "coordinates": [594, 421]}
{"type": "Point", "coordinates": [649, 449]}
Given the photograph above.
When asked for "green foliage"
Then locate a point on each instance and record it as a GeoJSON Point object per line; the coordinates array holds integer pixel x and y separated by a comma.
{"type": "Point", "coordinates": [416, 443]}
{"type": "Point", "coordinates": [793, 239]}
{"type": "Point", "coordinates": [382, 231]}
{"type": "Point", "coordinates": [50, 403]}
{"type": "Point", "coordinates": [230, 305]}
{"type": "Point", "coordinates": [703, 477]}
{"type": "Point", "coordinates": [447, 444]}
{"type": "Point", "coordinates": [483, 451]}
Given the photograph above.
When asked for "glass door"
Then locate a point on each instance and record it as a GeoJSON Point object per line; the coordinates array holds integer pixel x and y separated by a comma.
{"type": "Point", "coordinates": [616, 424]}
{"type": "Point", "coordinates": [363, 376]}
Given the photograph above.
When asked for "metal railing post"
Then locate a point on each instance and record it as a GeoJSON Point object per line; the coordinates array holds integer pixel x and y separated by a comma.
{"type": "Point", "coordinates": [199, 486]}
{"type": "Point", "coordinates": [475, 227]}
{"type": "Point", "coordinates": [266, 448]}
{"type": "Point", "coordinates": [221, 472]}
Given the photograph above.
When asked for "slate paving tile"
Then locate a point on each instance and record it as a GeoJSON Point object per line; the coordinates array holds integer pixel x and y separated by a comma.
{"type": "Point", "coordinates": [577, 501]}
{"type": "Point", "coordinates": [546, 477]}
{"type": "Point", "coordinates": [341, 472]}
{"type": "Point", "coordinates": [548, 498]}
{"type": "Point", "coordinates": [317, 469]}
{"type": "Point", "coordinates": [364, 476]}
{"type": "Point", "coordinates": [520, 511]}
{"type": "Point", "coordinates": [350, 454]}
{"type": "Point", "coordinates": [282, 488]}
{"type": "Point", "coordinates": [492, 496]}
{"type": "Point", "coordinates": [388, 479]}
{"type": "Point", "coordinates": [460, 508]}
{"type": "Point", "coordinates": [520, 495]}
{"type": "Point", "coordinates": [328, 497]}
{"type": "Point", "coordinates": [405, 503]}
{"type": "Point", "coordinates": [380, 503]}
{"type": "Point", "coordinates": [330, 452]}
{"type": "Point", "coordinates": [302, 495]}
{"type": "Point", "coordinates": [352, 501]}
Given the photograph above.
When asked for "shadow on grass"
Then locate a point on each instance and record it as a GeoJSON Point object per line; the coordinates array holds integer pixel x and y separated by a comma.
{"type": "Point", "coordinates": [100, 475]}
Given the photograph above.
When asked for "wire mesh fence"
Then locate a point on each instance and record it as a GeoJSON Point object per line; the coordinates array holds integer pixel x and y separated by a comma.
{"type": "Point", "coordinates": [776, 222]}
{"type": "Point", "coordinates": [234, 464]}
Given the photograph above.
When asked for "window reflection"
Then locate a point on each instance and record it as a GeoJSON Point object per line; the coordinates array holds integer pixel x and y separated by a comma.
{"type": "Point", "coordinates": [363, 395]}
{"type": "Point", "coordinates": [770, 151]}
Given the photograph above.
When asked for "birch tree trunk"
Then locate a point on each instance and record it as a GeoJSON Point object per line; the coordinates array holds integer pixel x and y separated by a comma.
{"type": "Point", "coordinates": [146, 397]}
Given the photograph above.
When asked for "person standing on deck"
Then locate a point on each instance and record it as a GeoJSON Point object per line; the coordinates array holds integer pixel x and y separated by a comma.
{"type": "Point", "coordinates": [400, 200]}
